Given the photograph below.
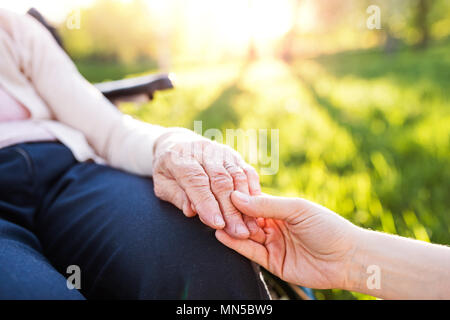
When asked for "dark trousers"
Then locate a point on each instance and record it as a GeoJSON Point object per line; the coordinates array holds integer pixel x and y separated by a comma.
{"type": "Point", "coordinates": [56, 212]}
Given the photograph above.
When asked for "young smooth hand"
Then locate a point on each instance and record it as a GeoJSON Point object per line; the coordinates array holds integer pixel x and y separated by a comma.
{"type": "Point", "coordinates": [305, 243]}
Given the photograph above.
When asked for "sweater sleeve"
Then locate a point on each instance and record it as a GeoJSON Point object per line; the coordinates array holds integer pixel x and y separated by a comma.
{"type": "Point", "coordinates": [124, 142]}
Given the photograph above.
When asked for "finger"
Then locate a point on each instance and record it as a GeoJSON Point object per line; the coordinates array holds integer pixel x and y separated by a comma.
{"type": "Point", "coordinates": [222, 186]}
{"type": "Point", "coordinates": [241, 184]}
{"type": "Point", "coordinates": [266, 206]}
{"type": "Point", "coordinates": [168, 190]}
{"type": "Point", "coordinates": [248, 248]}
{"type": "Point", "coordinates": [254, 187]}
{"type": "Point", "coordinates": [239, 177]}
{"type": "Point", "coordinates": [261, 222]}
{"type": "Point", "coordinates": [195, 182]}
{"type": "Point", "coordinates": [251, 224]}
{"type": "Point", "coordinates": [253, 180]}
{"type": "Point", "coordinates": [256, 232]}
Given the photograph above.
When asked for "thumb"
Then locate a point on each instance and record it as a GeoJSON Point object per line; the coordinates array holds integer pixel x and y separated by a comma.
{"type": "Point", "coordinates": [266, 206]}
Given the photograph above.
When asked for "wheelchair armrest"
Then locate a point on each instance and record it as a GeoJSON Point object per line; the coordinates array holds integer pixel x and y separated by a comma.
{"type": "Point", "coordinates": [135, 86]}
{"type": "Point", "coordinates": [119, 89]}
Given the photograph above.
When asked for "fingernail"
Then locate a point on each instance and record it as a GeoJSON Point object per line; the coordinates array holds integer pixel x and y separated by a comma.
{"type": "Point", "coordinates": [252, 226]}
{"type": "Point", "coordinates": [218, 221]}
{"type": "Point", "coordinates": [241, 229]}
{"type": "Point", "coordinates": [242, 197]}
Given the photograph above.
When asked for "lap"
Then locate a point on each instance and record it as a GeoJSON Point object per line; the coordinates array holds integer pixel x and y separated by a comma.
{"type": "Point", "coordinates": [129, 244]}
{"type": "Point", "coordinates": [56, 212]}
{"type": "Point", "coordinates": [24, 271]}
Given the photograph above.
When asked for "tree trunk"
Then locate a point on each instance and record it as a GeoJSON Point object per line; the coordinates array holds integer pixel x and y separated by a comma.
{"type": "Point", "coordinates": [423, 8]}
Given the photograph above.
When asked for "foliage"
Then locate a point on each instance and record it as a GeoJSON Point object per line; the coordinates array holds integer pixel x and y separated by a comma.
{"type": "Point", "coordinates": [112, 31]}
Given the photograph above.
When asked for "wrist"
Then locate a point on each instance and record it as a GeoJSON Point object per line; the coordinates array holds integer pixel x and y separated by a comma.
{"type": "Point", "coordinates": [170, 133]}
{"type": "Point", "coordinates": [355, 274]}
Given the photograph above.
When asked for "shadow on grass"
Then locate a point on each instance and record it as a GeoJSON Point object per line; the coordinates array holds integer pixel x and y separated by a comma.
{"type": "Point", "coordinates": [405, 67]}
{"type": "Point", "coordinates": [221, 113]}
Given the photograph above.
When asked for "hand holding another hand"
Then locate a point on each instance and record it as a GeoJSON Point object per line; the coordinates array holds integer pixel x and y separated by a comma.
{"type": "Point", "coordinates": [197, 175]}
{"type": "Point", "coordinates": [304, 243]}
{"type": "Point", "coordinates": [297, 240]}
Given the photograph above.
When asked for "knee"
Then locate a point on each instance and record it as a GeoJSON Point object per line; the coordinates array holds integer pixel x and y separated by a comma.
{"type": "Point", "coordinates": [179, 258]}
{"type": "Point", "coordinates": [214, 271]}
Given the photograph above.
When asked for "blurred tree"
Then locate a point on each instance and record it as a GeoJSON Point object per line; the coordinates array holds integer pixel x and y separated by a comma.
{"type": "Point", "coordinates": [287, 45]}
{"type": "Point", "coordinates": [423, 8]}
{"type": "Point", "coordinates": [394, 16]}
{"type": "Point", "coordinates": [113, 30]}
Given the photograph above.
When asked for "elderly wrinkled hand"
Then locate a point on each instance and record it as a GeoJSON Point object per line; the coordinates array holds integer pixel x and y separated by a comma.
{"type": "Point", "coordinates": [197, 175]}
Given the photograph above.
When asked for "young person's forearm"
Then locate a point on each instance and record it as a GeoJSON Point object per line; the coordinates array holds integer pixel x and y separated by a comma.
{"type": "Point", "coordinates": [392, 267]}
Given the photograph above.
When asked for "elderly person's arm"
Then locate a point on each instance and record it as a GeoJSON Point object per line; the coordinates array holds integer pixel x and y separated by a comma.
{"type": "Point", "coordinates": [312, 246]}
{"type": "Point", "coordinates": [194, 182]}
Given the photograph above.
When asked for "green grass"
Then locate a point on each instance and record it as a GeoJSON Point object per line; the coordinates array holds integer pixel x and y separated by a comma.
{"type": "Point", "coordinates": [97, 71]}
{"type": "Point", "coordinates": [363, 133]}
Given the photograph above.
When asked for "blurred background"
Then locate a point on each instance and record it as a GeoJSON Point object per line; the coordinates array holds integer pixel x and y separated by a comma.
{"type": "Point", "coordinates": [363, 114]}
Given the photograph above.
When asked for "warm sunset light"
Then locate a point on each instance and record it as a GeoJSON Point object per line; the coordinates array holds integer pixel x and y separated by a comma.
{"type": "Point", "coordinates": [229, 23]}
